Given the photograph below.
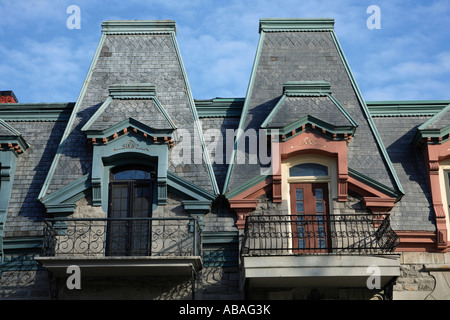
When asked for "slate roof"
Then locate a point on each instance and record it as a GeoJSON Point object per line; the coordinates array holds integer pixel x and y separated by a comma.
{"type": "Point", "coordinates": [143, 110]}
{"type": "Point", "coordinates": [322, 108]}
{"type": "Point", "coordinates": [414, 211]}
{"type": "Point", "coordinates": [130, 52]}
{"type": "Point", "coordinates": [25, 212]}
{"type": "Point", "coordinates": [308, 55]}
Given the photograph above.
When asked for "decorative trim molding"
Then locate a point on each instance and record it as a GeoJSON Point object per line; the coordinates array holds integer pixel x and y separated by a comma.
{"type": "Point", "coordinates": [312, 143]}
{"type": "Point", "coordinates": [219, 107]}
{"type": "Point", "coordinates": [406, 108]}
{"type": "Point", "coordinates": [433, 153]}
{"type": "Point", "coordinates": [416, 241]}
{"type": "Point", "coordinates": [246, 202]}
{"type": "Point", "coordinates": [36, 111]}
{"type": "Point", "coordinates": [138, 27]}
{"type": "Point", "coordinates": [294, 24]}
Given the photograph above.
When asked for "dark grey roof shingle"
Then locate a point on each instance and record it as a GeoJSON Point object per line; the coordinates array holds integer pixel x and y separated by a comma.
{"type": "Point", "coordinates": [309, 56]}
{"type": "Point", "coordinates": [129, 58]}
{"type": "Point", "coordinates": [414, 211]}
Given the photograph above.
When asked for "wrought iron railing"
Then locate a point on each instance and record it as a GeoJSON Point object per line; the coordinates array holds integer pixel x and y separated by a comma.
{"type": "Point", "coordinates": [122, 237]}
{"type": "Point", "coordinates": [306, 234]}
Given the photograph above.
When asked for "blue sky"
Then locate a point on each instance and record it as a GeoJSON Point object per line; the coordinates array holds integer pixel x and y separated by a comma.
{"type": "Point", "coordinates": [408, 58]}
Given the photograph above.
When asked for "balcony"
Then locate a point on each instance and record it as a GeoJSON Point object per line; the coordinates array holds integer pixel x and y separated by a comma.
{"type": "Point", "coordinates": [123, 246]}
{"type": "Point", "coordinates": [314, 250]}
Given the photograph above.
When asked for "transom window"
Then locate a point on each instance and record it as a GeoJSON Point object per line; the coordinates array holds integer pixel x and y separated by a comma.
{"type": "Point", "coordinates": [308, 170]}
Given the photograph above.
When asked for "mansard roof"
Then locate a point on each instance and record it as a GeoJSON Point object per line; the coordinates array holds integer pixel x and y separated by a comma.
{"type": "Point", "coordinates": [308, 50]}
{"type": "Point", "coordinates": [130, 52]}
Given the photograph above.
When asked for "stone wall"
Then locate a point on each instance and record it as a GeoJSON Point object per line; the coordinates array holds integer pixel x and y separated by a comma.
{"type": "Point", "coordinates": [424, 276]}
{"type": "Point", "coordinates": [24, 284]}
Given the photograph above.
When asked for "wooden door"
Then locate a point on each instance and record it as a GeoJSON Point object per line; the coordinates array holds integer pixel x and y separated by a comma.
{"type": "Point", "coordinates": [310, 212]}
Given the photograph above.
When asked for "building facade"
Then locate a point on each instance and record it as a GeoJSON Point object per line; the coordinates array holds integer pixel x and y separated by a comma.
{"type": "Point", "coordinates": [299, 190]}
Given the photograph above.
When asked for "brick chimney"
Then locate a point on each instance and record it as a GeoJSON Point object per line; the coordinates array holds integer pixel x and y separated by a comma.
{"type": "Point", "coordinates": [8, 97]}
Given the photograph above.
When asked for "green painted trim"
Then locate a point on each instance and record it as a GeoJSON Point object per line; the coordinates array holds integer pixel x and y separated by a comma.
{"type": "Point", "coordinates": [8, 160]}
{"type": "Point", "coordinates": [125, 124]}
{"type": "Point", "coordinates": [220, 237]}
{"type": "Point", "coordinates": [179, 185]}
{"type": "Point", "coordinates": [63, 200]}
{"type": "Point", "coordinates": [309, 88]}
{"type": "Point", "coordinates": [97, 113]}
{"type": "Point", "coordinates": [132, 91]}
{"type": "Point", "coordinates": [14, 136]}
{"type": "Point", "coordinates": [219, 107]}
{"type": "Point", "coordinates": [247, 185]}
{"type": "Point", "coordinates": [239, 130]}
{"type": "Point", "coordinates": [317, 122]}
{"type": "Point", "coordinates": [423, 132]}
{"type": "Point", "coordinates": [36, 111]}
{"type": "Point", "coordinates": [406, 108]}
{"type": "Point", "coordinates": [197, 207]}
{"type": "Point", "coordinates": [295, 24]}
{"type": "Point", "coordinates": [115, 153]}
{"type": "Point", "coordinates": [343, 110]}
{"type": "Point", "coordinates": [274, 111]}
{"type": "Point", "coordinates": [21, 243]}
{"type": "Point", "coordinates": [138, 26]}
{"type": "Point", "coordinates": [71, 121]}
{"type": "Point", "coordinates": [438, 115]}
{"type": "Point", "coordinates": [374, 184]}
{"type": "Point", "coordinates": [367, 114]}
{"type": "Point", "coordinates": [164, 113]}
{"type": "Point", "coordinates": [306, 88]}
{"type": "Point", "coordinates": [197, 123]}
{"type": "Point", "coordinates": [19, 253]}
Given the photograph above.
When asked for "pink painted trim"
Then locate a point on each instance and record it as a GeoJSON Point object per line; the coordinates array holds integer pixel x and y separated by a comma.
{"type": "Point", "coordinates": [418, 241]}
{"type": "Point", "coordinates": [312, 143]}
{"type": "Point", "coordinates": [433, 154]}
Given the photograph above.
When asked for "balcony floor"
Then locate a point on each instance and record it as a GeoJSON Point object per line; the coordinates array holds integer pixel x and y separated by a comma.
{"type": "Point", "coordinates": [123, 265]}
{"type": "Point", "coordinates": [319, 270]}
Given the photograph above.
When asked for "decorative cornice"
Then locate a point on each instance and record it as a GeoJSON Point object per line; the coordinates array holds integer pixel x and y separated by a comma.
{"type": "Point", "coordinates": [308, 122]}
{"type": "Point", "coordinates": [219, 107]}
{"type": "Point", "coordinates": [130, 126]}
{"type": "Point", "coordinates": [406, 108]}
{"type": "Point", "coordinates": [139, 27]}
{"type": "Point", "coordinates": [295, 24]}
{"type": "Point", "coordinates": [36, 111]}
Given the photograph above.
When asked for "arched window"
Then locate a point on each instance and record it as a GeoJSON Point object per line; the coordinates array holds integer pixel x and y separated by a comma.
{"type": "Point", "coordinates": [131, 190]}
{"type": "Point", "coordinates": [308, 170]}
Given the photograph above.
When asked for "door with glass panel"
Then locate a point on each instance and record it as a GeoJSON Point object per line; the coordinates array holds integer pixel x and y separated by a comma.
{"type": "Point", "coordinates": [130, 203]}
{"type": "Point", "coordinates": [309, 212]}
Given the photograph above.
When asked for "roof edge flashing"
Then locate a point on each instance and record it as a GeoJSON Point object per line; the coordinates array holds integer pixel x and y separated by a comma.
{"type": "Point", "coordinates": [138, 27]}
{"type": "Point", "coordinates": [295, 24]}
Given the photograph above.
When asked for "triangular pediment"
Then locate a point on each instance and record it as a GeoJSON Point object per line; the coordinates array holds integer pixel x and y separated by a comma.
{"type": "Point", "coordinates": [436, 130]}
{"type": "Point", "coordinates": [126, 102]}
